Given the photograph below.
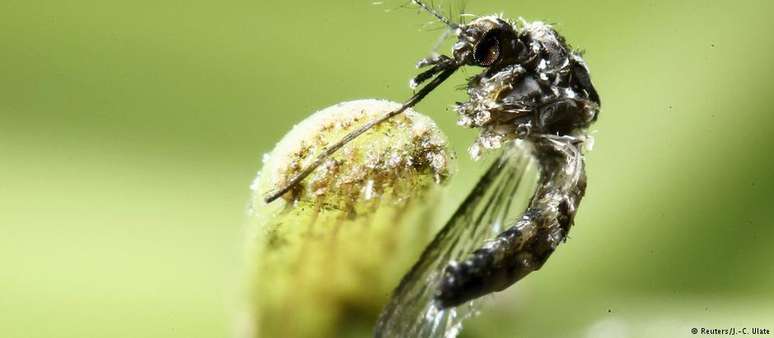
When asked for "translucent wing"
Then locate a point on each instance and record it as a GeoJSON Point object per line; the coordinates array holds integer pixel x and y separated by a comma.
{"type": "Point", "coordinates": [498, 199]}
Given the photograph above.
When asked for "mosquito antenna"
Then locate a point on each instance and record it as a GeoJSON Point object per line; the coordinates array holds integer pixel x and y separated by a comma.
{"type": "Point", "coordinates": [330, 150]}
{"type": "Point", "coordinates": [435, 13]}
{"type": "Point", "coordinates": [439, 42]}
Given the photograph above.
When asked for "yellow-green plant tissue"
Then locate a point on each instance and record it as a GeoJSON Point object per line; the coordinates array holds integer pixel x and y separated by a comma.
{"type": "Point", "coordinates": [325, 257]}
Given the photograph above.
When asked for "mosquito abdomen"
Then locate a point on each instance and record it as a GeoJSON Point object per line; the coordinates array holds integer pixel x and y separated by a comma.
{"type": "Point", "coordinates": [526, 245]}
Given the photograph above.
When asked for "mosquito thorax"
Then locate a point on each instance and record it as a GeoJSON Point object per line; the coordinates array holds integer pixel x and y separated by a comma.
{"type": "Point", "coordinates": [532, 82]}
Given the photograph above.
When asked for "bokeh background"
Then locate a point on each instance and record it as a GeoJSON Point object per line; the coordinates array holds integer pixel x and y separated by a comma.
{"type": "Point", "coordinates": [130, 132]}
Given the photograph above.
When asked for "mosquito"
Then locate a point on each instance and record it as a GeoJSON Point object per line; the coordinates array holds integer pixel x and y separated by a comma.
{"type": "Point", "coordinates": [534, 100]}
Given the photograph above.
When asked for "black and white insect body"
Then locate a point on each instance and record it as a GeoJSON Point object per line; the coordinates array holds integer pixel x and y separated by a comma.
{"type": "Point", "coordinates": [533, 82]}
{"type": "Point", "coordinates": [534, 88]}
{"type": "Point", "coordinates": [534, 99]}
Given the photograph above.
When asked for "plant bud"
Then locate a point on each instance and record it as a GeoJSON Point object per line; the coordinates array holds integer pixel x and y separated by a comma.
{"type": "Point", "coordinates": [325, 257]}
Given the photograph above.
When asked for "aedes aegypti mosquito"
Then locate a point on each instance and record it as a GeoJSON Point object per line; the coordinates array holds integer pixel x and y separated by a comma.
{"type": "Point", "coordinates": [534, 99]}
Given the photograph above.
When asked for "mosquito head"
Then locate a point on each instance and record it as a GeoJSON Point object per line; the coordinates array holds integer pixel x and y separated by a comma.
{"type": "Point", "coordinates": [488, 41]}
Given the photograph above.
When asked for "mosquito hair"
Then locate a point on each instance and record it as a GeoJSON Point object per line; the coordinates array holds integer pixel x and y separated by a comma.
{"type": "Point", "coordinates": [464, 15]}
{"type": "Point", "coordinates": [435, 13]}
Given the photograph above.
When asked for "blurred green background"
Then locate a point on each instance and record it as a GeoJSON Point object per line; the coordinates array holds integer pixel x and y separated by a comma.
{"type": "Point", "coordinates": [130, 132]}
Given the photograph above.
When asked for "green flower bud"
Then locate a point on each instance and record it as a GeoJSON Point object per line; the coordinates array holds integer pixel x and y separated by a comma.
{"type": "Point", "coordinates": [325, 258]}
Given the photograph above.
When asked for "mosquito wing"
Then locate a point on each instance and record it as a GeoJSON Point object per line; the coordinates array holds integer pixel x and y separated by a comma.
{"type": "Point", "coordinates": [499, 198]}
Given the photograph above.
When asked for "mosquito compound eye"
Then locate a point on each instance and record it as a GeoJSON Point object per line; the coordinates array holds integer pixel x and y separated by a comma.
{"type": "Point", "coordinates": [487, 51]}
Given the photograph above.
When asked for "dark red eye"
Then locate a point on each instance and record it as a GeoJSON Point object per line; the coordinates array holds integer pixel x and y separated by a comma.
{"type": "Point", "coordinates": [488, 50]}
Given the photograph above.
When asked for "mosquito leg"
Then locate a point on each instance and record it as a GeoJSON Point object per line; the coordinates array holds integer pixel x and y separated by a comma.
{"type": "Point", "coordinates": [331, 149]}
{"type": "Point", "coordinates": [527, 244]}
{"type": "Point", "coordinates": [439, 63]}
{"type": "Point", "coordinates": [513, 100]}
{"type": "Point", "coordinates": [433, 60]}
